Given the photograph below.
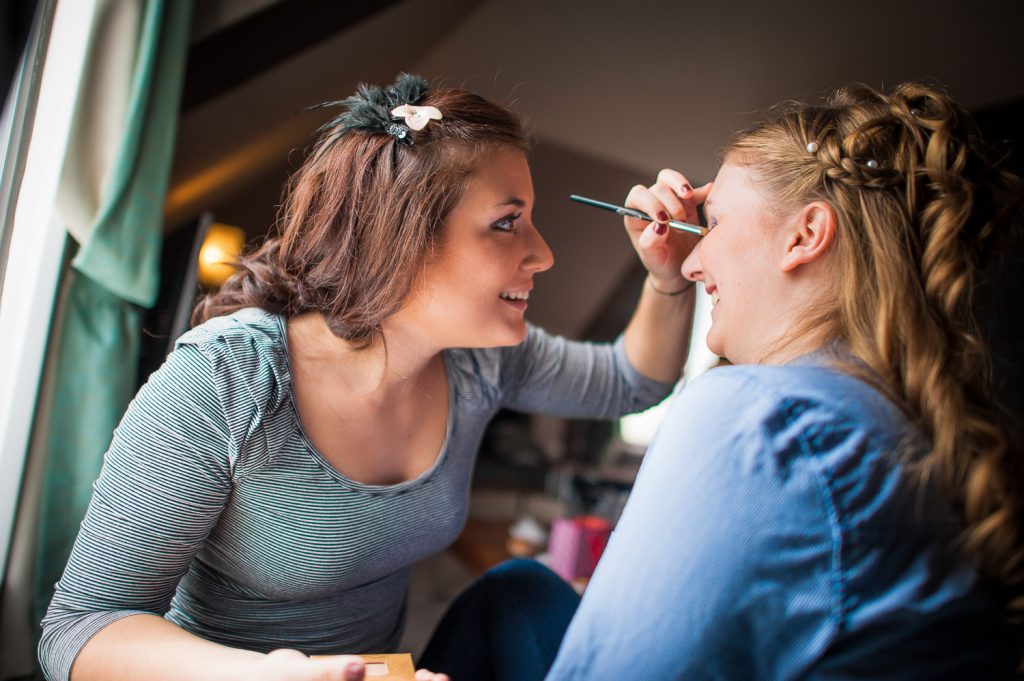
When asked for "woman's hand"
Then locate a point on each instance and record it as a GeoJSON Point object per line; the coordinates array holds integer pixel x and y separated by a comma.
{"type": "Point", "coordinates": [662, 249]}
{"type": "Point", "coordinates": [291, 665]}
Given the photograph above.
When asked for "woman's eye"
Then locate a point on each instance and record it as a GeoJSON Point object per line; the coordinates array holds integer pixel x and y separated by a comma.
{"type": "Point", "coordinates": [507, 223]}
{"type": "Point", "coordinates": [712, 223]}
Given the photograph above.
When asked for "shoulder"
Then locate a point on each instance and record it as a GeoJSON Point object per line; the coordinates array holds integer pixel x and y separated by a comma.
{"type": "Point", "coordinates": [734, 423]}
{"type": "Point", "coordinates": [800, 430]}
{"type": "Point", "coordinates": [806, 401]}
{"type": "Point", "coordinates": [816, 382]}
{"type": "Point", "coordinates": [249, 335]}
{"type": "Point", "coordinates": [250, 325]}
{"type": "Point", "coordinates": [247, 352]}
{"type": "Point", "coordinates": [807, 432]}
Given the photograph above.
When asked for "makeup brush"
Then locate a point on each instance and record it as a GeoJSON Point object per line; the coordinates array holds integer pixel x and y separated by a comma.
{"type": "Point", "coordinates": [640, 215]}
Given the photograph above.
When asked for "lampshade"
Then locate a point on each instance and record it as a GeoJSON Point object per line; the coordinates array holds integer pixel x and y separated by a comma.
{"type": "Point", "coordinates": [221, 247]}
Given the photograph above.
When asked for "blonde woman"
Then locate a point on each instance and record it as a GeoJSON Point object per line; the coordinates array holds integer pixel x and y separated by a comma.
{"type": "Point", "coordinates": [844, 503]}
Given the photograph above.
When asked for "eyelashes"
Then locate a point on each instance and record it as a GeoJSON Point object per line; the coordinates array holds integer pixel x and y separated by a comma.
{"type": "Point", "coordinates": [712, 223]}
{"type": "Point", "coordinates": [507, 223]}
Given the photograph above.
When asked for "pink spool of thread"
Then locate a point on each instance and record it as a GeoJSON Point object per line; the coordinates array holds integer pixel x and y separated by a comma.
{"type": "Point", "coordinates": [576, 544]}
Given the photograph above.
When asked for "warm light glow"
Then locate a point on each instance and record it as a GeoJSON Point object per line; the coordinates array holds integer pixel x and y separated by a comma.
{"type": "Point", "coordinates": [639, 429]}
{"type": "Point", "coordinates": [221, 248]}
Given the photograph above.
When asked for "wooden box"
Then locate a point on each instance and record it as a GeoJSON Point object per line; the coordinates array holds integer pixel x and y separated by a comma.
{"type": "Point", "coordinates": [387, 666]}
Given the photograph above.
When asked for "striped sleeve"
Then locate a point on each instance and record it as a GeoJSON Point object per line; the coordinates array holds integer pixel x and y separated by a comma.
{"type": "Point", "coordinates": [164, 482]}
{"type": "Point", "coordinates": [575, 379]}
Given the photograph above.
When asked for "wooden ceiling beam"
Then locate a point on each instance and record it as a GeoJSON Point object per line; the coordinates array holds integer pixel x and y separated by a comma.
{"type": "Point", "coordinates": [245, 49]}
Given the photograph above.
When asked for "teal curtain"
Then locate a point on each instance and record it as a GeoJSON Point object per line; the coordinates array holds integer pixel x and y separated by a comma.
{"type": "Point", "coordinates": [113, 275]}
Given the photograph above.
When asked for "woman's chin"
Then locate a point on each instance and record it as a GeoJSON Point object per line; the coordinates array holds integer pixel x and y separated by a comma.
{"type": "Point", "coordinates": [505, 338]}
{"type": "Point", "coordinates": [516, 337]}
{"type": "Point", "coordinates": [715, 344]}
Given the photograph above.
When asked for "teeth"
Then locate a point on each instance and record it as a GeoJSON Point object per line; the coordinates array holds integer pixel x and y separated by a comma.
{"type": "Point", "coordinates": [507, 295]}
{"type": "Point", "coordinates": [714, 299]}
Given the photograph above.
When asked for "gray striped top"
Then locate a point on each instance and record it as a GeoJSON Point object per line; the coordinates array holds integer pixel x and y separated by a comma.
{"type": "Point", "coordinates": [215, 510]}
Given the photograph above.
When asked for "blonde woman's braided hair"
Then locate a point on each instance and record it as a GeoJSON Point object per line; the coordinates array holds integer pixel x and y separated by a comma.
{"type": "Point", "coordinates": [920, 211]}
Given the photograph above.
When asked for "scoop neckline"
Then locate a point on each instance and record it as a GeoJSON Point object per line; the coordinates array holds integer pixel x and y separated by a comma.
{"type": "Point", "coordinates": [442, 455]}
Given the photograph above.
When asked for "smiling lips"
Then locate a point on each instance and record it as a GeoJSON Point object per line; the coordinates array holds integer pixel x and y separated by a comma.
{"type": "Point", "coordinates": [516, 299]}
{"type": "Point", "coordinates": [713, 292]}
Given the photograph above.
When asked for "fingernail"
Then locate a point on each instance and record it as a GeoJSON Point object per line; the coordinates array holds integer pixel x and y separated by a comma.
{"type": "Point", "coordinates": [354, 671]}
{"type": "Point", "coordinates": [660, 228]}
{"type": "Point", "coordinates": [662, 216]}
{"type": "Point", "coordinates": [686, 188]}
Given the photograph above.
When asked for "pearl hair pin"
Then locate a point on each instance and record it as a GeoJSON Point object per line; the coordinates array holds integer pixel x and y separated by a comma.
{"type": "Point", "coordinates": [812, 147]}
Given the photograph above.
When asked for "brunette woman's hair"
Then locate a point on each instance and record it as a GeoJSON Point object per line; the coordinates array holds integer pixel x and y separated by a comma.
{"type": "Point", "coordinates": [921, 210]}
{"type": "Point", "coordinates": [363, 213]}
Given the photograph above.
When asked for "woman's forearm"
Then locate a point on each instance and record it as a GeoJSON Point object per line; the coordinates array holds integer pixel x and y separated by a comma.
{"type": "Point", "coordinates": [149, 647]}
{"type": "Point", "coordinates": [658, 336]}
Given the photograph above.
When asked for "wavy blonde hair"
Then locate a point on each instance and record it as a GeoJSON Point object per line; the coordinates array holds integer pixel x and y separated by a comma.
{"type": "Point", "coordinates": [920, 211]}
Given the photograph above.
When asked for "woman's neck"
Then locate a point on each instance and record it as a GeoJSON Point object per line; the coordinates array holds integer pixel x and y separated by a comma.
{"type": "Point", "coordinates": [801, 323]}
{"type": "Point", "coordinates": [384, 371]}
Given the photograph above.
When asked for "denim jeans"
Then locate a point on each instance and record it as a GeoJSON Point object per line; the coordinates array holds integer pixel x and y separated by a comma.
{"type": "Point", "coordinates": [506, 626]}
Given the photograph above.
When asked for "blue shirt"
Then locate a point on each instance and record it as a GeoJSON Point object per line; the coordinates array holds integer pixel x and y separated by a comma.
{"type": "Point", "coordinates": [775, 532]}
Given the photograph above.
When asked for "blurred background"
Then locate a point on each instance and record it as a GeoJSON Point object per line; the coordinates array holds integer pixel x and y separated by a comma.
{"type": "Point", "coordinates": [146, 141]}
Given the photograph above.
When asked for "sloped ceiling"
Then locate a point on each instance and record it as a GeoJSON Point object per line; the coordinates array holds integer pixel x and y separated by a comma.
{"type": "Point", "coordinates": [646, 84]}
{"type": "Point", "coordinates": [232, 140]}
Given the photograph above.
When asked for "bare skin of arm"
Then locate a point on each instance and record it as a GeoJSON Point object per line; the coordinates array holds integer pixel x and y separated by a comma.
{"type": "Point", "coordinates": [167, 652]}
{"type": "Point", "coordinates": [658, 335]}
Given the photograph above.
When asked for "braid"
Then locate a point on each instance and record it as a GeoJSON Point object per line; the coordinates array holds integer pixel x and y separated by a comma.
{"type": "Point", "coordinates": [841, 168]}
{"type": "Point", "coordinates": [973, 453]}
{"type": "Point", "coordinates": [920, 212]}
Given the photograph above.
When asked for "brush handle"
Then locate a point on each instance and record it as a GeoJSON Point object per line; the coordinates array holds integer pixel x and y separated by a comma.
{"type": "Point", "coordinates": [639, 215]}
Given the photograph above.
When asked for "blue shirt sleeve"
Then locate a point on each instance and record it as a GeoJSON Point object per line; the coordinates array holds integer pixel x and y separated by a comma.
{"type": "Point", "coordinates": [727, 532]}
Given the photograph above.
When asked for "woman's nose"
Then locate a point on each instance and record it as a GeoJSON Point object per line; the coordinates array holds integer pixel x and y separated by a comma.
{"type": "Point", "coordinates": [538, 256]}
{"type": "Point", "coordinates": [691, 268]}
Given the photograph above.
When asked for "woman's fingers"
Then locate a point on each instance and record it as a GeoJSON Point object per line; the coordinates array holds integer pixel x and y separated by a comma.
{"type": "Point", "coordinates": [678, 185]}
{"type": "Point", "coordinates": [642, 199]}
{"type": "Point", "coordinates": [675, 181]}
{"type": "Point", "coordinates": [671, 196]}
{"type": "Point", "coordinates": [427, 675]}
{"type": "Point", "coordinates": [341, 668]}
{"type": "Point", "coordinates": [700, 194]}
{"type": "Point", "coordinates": [291, 665]}
{"type": "Point", "coordinates": [662, 249]}
{"type": "Point", "coordinates": [670, 200]}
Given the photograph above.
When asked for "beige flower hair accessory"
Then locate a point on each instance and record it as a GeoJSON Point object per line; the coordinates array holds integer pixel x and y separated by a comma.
{"type": "Point", "coordinates": [417, 117]}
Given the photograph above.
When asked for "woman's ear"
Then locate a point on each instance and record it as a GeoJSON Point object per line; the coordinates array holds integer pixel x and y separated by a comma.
{"type": "Point", "coordinates": [812, 231]}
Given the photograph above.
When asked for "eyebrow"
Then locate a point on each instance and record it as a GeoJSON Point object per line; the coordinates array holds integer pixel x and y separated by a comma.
{"type": "Point", "coordinates": [513, 201]}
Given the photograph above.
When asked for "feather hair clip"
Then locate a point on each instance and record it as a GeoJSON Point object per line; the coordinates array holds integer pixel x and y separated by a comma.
{"type": "Point", "coordinates": [371, 109]}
